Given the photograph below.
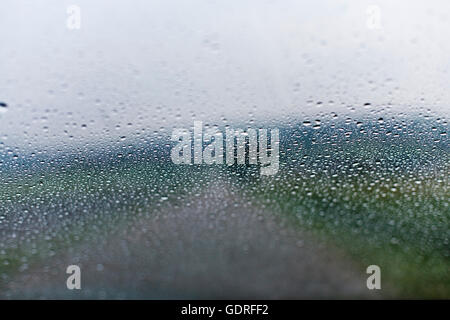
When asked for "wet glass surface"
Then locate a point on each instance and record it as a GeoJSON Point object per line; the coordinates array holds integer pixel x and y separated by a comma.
{"type": "Point", "coordinates": [91, 94]}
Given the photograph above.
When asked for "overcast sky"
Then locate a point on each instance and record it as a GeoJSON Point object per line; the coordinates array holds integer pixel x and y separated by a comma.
{"type": "Point", "coordinates": [146, 65]}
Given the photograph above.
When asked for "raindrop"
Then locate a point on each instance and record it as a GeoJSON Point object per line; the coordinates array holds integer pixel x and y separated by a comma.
{"type": "Point", "coordinates": [3, 107]}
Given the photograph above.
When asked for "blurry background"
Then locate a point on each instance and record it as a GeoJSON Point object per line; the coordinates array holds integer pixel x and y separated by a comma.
{"type": "Point", "coordinates": [359, 91]}
{"type": "Point", "coordinates": [144, 66]}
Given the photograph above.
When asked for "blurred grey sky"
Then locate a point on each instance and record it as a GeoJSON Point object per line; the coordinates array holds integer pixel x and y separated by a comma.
{"type": "Point", "coordinates": [137, 66]}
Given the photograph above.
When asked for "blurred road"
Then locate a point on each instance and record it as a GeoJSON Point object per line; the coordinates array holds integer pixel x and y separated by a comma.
{"type": "Point", "coordinates": [217, 247]}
